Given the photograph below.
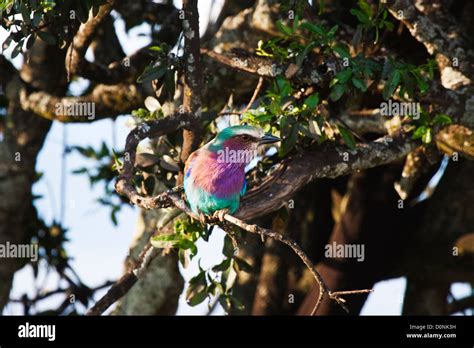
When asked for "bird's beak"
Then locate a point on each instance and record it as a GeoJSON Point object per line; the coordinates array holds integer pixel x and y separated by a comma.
{"type": "Point", "coordinates": [268, 139]}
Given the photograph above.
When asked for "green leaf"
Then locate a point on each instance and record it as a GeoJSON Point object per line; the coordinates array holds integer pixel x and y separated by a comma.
{"type": "Point", "coordinates": [313, 28]}
{"type": "Point", "coordinates": [442, 119]}
{"type": "Point", "coordinates": [80, 171]}
{"type": "Point", "coordinates": [359, 84]}
{"type": "Point", "coordinates": [17, 49]}
{"type": "Point", "coordinates": [197, 298]}
{"type": "Point", "coordinates": [37, 17]}
{"type": "Point", "coordinates": [347, 137]}
{"type": "Point", "coordinates": [30, 41]}
{"type": "Point", "coordinates": [341, 50]}
{"type": "Point", "coordinates": [242, 265]}
{"type": "Point", "coordinates": [344, 75]}
{"type": "Point", "coordinates": [113, 215]}
{"type": "Point", "coordinates": [235, 303]}
{"type": "Point", "coordinates": [337, 92]}
{"type": "Point", "coordinates": [361, 16]}
{"type": "Point", "coordinates": [225, 302]}
{"type": "Point", "coordinates": [333, 30]}
{"type": "Point", "coordinates": [391, 84]}
{"type": "Point", "coordinates": [365, 7]}
{"type": "Point", "coordinates": [223, 266]}
{"type": "Point", "coordinates": [426, 138]}
{"type": "Point", "coordinates": [284, 28]}
{"type": "Point", "coordinates": [304, 53]}
{"type": "Point", "coordinates": [196, 289]}
{"type": "Point", "coordinates": [289, 142]}
{"type": "Point", "coordinates": [422, 84]}
{"type": "Point", "coordinates": [312, 101]}
{"type": "Point", "coordinates": [185, 244]}
{"type": "Point", "coordinates": [168, 89]}
{"type": "Point", "coordinates": [152, 73]}
{"type": "Point", "coordinates": [296, 22]}
{"type": "Point", "coordinates": [284, 87]}
{"type": "Point", "coordinates": [387, 68]}
{"type": "Point", "coordinates": [7, 42]}
{"type": "Point", "coordinates": [388, 25]}
{"type": "Point", "coordinates": [419, 132]}
{"type": "Point", "coordinates": [164, 241]}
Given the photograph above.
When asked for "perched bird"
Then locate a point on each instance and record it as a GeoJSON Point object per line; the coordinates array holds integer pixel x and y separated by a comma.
{"type": "Point", "coordinates": [214, 177]}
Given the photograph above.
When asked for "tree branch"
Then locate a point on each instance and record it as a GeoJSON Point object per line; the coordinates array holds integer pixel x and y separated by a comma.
{"type": "Point", "coordinates": [312, 72]}
{"type": "Point", "coordinates": [326, 163]}
{"type": "Point", "coordinates": [75, 57]}
{"type": "Point", "coordinates": [192, 80]}
{"type": "Point", "coordinates": [7, 69]}
{"type": "Point", "coordinates": [128, 68]}
{"type": "Point", "coordinates": [445, 42]}
{"type": "Point", "coordinates": [104, 101]}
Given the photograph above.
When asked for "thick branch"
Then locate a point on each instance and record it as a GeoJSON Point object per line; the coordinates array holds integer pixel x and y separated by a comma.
{"type": "Point", "coordinates": [104, 101]}
{"type": "Point", "coordinates": [75, 57]}
{"type": "Point", "coordinates": [445, 42]}
{"type": "Point", "coordinates": [311, 72]}
{"type": "Point", "coordinates": [327, 163]}
{"type": "Point", "coordinates": [192, 79]}
{"type": "Point", "coordinates": [7, 70]}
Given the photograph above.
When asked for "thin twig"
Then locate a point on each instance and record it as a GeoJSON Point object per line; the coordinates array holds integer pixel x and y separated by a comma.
{"type": "Point", "coordinates": [255, 94]}
{"type": "Point", "coordinates": [174, 197]}
{"type": "Point", "coordinates": [264, 232]}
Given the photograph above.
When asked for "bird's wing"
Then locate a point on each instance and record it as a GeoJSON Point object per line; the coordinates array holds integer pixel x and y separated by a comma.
{"type": "Point", "coordinates": [189, 163]}
{"type": "Point", "coordinates": [244, 188]}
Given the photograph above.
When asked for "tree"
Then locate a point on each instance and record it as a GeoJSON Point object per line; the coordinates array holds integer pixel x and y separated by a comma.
{"type": "Point", "coordinates": [368, 97]}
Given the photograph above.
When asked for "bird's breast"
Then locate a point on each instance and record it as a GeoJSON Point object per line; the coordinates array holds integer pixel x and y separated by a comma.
{"type": "Point", "coordinates": [217, 178]}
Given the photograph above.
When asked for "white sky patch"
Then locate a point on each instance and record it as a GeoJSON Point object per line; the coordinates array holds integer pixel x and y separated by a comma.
{"type": "Point", "coordinates": [387, 298]}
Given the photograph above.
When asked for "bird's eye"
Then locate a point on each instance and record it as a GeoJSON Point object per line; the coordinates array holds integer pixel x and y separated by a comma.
{"type": "Point", "coordinates": [246, 137]}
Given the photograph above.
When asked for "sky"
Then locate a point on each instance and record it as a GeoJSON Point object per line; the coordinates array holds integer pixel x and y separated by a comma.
{"type": "Point", "coordinates": [98, 248]}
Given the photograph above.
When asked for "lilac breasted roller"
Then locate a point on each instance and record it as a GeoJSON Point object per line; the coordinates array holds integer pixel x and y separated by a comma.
{"type": "Point", "coordinates": [215, 174]}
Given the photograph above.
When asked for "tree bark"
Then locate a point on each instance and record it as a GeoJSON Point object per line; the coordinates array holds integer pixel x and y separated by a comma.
{"type": "Point", "coordinates": [23, 137]}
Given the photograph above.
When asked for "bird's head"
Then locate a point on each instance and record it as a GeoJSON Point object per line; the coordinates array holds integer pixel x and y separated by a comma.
{"type": "Point", "coordinates": [244, 140]}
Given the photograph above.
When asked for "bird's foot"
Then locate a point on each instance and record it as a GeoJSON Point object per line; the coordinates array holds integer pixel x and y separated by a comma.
{"type": "Point", "coordinates": [203, 218]}
{"type": "Point", "coordinates": [219, 215]}
{"type": "Point", "coordinates": [216, 217]}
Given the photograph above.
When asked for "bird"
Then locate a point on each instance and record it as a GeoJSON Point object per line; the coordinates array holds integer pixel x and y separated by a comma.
{"type": "Point", "coordinates": [214, 175]}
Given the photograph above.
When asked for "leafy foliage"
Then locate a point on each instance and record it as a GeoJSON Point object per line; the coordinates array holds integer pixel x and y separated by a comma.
{"type": "Point", "coordinates": [216, 281]}
{"type": "Point", "coordinates": [49, 20]}
{"type": "Point", "coordinates": [104, 171]}
{"type": "Point", "coordinates": [423, 127]}
{"type": "Point", "coordinates": [162, 71]}
{"type": "Point", "coordinates": [281, 112]}
{"type": "Point", "coordinates": [370, 20]}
